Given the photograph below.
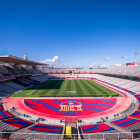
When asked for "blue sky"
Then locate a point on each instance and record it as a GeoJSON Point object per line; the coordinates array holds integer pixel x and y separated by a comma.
{"type": "Point", "coordinates": [68, 33]}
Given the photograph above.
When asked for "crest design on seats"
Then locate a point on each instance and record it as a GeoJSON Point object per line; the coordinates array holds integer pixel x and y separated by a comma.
{"type": "Point", "coordinates": [71, 106]}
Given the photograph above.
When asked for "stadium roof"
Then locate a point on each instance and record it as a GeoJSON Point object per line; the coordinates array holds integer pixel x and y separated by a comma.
{"type": "Point", "coordinates": [18, 60]}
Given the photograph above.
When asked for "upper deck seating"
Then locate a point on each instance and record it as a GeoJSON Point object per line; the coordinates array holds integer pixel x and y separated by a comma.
{"type": "Point", "coordinates": [20, 82]}
{"type": "Point", "coordinates": [6, 88]}
{"type": "Point", "coordinates": [13, 85]}
{"type": "Point", "coordinates": [31, 79]}
{"type": "Point", "coordinates": [25, 71]}
{"type": "Point", "coordinates": [37, 78]}
{"type": "Point", "coordinates": [4, 72]}
{"type": "Point", "coordinates": [136, 71]}
{"type": "Point", "coordinates": [12, 71]}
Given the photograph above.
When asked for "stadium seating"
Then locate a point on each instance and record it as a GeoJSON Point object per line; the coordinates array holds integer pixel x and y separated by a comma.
{"type": "Point", "coordinates": [6, 127]}
{"type": "Point", "coordinates": [124, 122]}
{"type": "Point", "coordinates": [13, 85]}
{"type": "Point", "coordinates": [4, 114]}
{"type": "Point", "coordinates": [136, 114]}
{"type": "Point", "coordinates": [96, 128]}
{"type": "Point", "coordinates": [96, 131]}
{"type": "Point", "coordinates": [20, 82]}
{"type": "Point", "coordinates": [1, 108]}
{"type": "Point", "coordinates": [46, 128]}
{"type": "Point", "coordinates": [12, 71]}
{"type": "Point", "coordinates": [17, 122]}
{"type": "Point", "coordinates": [39, 131]}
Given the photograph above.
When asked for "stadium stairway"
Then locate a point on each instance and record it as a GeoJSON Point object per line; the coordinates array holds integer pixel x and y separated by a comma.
{"type": "Point", "coordinates": [134, 70]}
{"type": "Point", "coordinates": [74, 128]}
{"type": "Point", "coordinates": [126, 83]}
{"type": "Point", "coordinates": [59, 75]}
{"type": "Point", "coordinates": [52, 74]}
{"type": "Point", "coordinates": [138, 92]}
{"type": "Point", "coordinates": [64, 75]}
{"type": "Point", "coordinates": [119, 81]}
{"type": "Point", "coordinates": [134, 86]}
{"type": "Point", "coordinates": [82, 76]}
{"type": "Point", "coordinates": [77, 75]}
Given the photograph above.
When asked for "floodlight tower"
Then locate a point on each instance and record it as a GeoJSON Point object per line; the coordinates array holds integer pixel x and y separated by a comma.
{"type": "Point", "coordinates": [122, 59]}
{"type": "Point", "coordinates": [136, 55]}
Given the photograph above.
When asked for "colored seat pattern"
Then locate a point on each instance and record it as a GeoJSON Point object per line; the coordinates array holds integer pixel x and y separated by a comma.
{"type": "Point", "coordinates": [96, 128]}
{"type": "Point", "coordinates": [88, 106]}
{"type": "Point", "coordinates": [1, 108]}
{"type": "Point", "coordinates": [138, 98]}
{"type": "Point", "coordinates": [46, 128]}
{"type": "Point", "coordinates": [4, 114]}
{"type": "Point", "coordinates": [136, 114]}
{"type": "Point", "coordinates": [124, 122]}
{"type": "Point", "coordinates": [17, 122]}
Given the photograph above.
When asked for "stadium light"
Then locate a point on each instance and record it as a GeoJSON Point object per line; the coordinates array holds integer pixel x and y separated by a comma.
{"type": "Point", "coordinates": [122, 59]}
{"type": "Point", "coordinates": [105, 62]}
{"type": "Point", "coordinates": [136, 55]}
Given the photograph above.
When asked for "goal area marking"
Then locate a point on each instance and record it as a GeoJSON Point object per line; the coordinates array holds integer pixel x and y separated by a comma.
{"type": "Point", "coordinates": [71, 92]}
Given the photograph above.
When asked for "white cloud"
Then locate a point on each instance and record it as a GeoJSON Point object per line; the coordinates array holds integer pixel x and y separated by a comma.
{"type": "Point", "coordinates": [117, 65]}
{"type": "Point", "coordinates": [106, 65]}
{"type": "Point", "coordinates": [93, 65]}
{"type": "Point", "coordinates": [106, 58]}
{"type": "Point", "coordinates": [55, 59]}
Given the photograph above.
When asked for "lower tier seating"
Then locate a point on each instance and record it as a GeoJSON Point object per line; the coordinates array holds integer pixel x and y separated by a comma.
{"type": "Point", "coordinates": [124, 122]}
{"type": "Point", "coordinates": [17, 122]}
{"type": "Point", "coordinates": [96, 128]}
{"type": "Point", "coordinates": [39, 131]}
{"type": "Point", "coordinates": [46, 128]}
{"type": "Point", "coordinates": [136, 114]}
{"type": "Point", "coordinates": [1, 108]}
{"type": "Point", "coordinates": [99, 129]}
{"type": "Point", "coordinates": [4, 114]}
{"type": "Point", "coordinates": [4, 127]}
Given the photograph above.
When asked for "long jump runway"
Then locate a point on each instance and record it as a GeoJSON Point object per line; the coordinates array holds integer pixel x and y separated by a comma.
{"type": "Point", "coordinates": [68, 108]}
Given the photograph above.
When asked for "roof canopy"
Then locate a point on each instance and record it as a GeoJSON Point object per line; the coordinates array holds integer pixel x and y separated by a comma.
{"type": "Point", "coordinates": [18, 60]}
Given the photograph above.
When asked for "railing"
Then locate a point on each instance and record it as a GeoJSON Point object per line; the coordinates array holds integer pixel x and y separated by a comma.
{"type": "Point", "coordinates": [18, 136]}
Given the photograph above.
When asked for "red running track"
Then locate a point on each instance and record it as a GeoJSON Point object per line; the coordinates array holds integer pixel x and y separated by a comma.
{"type": "Point", "coordinates": [40, 107]}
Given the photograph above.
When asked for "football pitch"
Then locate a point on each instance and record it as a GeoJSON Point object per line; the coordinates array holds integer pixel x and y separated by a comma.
{"type": "Point", "coordinates": [66, 88]}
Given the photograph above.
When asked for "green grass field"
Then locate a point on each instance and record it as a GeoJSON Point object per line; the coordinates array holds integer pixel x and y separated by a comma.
{"type": "Point", "coordinates": [60, 88]}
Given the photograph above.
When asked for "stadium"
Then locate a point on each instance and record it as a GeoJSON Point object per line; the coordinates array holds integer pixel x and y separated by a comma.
{"type": "Point", "coordinates": [42, 103]}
